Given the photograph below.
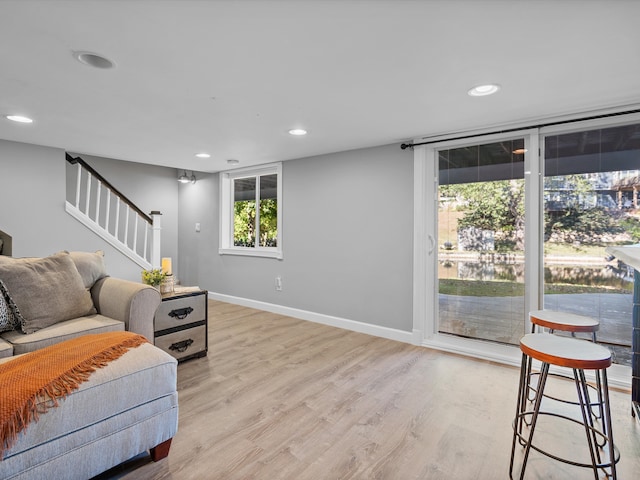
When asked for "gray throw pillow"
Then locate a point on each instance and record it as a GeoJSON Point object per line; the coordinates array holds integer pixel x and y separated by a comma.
{"type": "Point", "coordinates": [46, 291]}
{"type": "Point", "coordinates": [90, 266]}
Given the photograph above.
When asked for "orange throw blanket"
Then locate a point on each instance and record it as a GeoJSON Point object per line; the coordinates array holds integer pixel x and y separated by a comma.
{"type": "Point", "coordinates": [32, 383]}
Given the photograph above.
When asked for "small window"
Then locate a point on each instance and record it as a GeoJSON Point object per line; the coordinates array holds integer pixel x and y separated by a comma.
{"type": "Point", "coordinates": [251, 217]}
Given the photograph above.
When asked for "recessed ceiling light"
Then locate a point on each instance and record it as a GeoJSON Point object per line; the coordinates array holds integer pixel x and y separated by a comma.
{"type": "Point", "coordinates": [233, 161]}
{"type": "Point", "coordinates": [482, 90]}
{"type": "Point", "coordinates": [203, 155]}
{"type": "Point", "coordinates": [93, 60]}
{"type": "Point", "coordinates": [19, 118]}
{"type": "Point", "coordinates": [297, 131]}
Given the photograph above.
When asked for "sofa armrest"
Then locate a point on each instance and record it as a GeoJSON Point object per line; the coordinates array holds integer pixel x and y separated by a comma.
{"type": "Point", "coordinates": [133, 303]}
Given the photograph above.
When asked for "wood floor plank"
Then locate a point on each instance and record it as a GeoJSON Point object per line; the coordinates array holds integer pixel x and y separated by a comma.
{"type": "Point", "coordinates": [281, 398]}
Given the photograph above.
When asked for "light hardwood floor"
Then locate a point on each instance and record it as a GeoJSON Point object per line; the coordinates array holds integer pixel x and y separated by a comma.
{"type": "Point", "coordinates": [281, 398]}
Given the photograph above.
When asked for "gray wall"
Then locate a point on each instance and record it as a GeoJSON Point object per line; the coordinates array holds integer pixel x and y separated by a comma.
{"type": "Point", "coordinates": [347, 239]}
{"type": "Point", "coordinates": [32, 195]}
{"type": "Point", "coordinates": [347, 228]}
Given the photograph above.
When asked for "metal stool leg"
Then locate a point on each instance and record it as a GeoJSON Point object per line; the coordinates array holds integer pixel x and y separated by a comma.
{"type": "Point", "coordinates": [587, 419]}
{"type": "Point", "coordinates": [517, 419]}
{"type": "Point", "coordinates": [607, 423]}
{"type": "Point", "coordinates": [544, 372]}
{"type": "Point", "coordinates": [598, 384]}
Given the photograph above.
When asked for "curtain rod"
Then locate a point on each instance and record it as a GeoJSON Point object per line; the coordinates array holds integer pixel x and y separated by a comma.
{"type": "Point", "coordinates": [509, 130]}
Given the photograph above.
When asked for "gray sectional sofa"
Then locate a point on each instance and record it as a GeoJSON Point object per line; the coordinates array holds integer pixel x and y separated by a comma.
{"type": "Point", "coordinates": [126, 407]}
{"type": "Point", "coordinates": [67, 295]}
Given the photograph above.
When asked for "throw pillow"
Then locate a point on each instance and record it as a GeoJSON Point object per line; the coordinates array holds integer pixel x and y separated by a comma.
{"type": "Point", "coordinates": [7, 318]}
{"type": "Point", "coordinates": [46, 291]}
{"type": "Point", "coordinates": [90, 265]}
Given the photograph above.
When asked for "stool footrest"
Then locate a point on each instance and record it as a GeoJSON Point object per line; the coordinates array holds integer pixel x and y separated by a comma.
{"type": "Point", "coordinates": [522, 437]}
{"type": "Point", "coordinates": [563, 400]}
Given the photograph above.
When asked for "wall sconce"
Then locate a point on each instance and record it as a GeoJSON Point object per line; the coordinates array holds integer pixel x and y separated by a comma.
{"type": "Point", "coordinates": [184, 179]}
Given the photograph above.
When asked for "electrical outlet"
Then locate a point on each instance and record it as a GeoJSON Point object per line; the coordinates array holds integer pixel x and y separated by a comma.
{"type": "Point", "coordinates": [279, 283]}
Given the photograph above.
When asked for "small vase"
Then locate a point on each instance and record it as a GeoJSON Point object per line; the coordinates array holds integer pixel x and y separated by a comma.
{"type": "Point", "coordinates": [167, 284]}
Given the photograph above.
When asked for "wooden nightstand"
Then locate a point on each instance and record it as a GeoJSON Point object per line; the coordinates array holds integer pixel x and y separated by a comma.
{"type": "Point", "coordinates": [180, 324]}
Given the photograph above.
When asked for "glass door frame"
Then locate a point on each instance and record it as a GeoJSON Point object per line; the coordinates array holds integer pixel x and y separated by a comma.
{"type": "Point", "coordinates": [425, 321]}
{"type": "Point", "coordinates": [425, 279]}
{"type": "Point", "coordinates": [619, 375]}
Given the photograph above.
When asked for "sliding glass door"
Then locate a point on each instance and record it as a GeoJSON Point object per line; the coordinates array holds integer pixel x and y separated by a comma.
{"type": "Point", "coordinates": [506, 224]}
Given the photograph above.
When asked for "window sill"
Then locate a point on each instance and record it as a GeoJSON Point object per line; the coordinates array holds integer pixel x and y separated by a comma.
{"type": "Point", "coordinates": [252, 252]}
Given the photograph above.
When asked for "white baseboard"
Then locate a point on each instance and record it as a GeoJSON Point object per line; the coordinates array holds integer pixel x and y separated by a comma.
{"type": "Point", "coordinates": [355, 326]}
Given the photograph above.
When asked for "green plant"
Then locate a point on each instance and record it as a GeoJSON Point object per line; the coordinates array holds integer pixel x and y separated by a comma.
{"type": "Point", "coordinates": [632, 226]}
{"type": "Point", "coordinates": [153, 277]}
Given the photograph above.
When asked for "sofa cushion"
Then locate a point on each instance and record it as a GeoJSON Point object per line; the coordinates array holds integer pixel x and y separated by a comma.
{"type": "Point", "coordinates": [90, 266]}
{"type": "Point", "coordinates": [6, 349]}
{"type": "Point", "coordinates": [46, 291]}
{"type": "Point", "coordinates": [60, 332]}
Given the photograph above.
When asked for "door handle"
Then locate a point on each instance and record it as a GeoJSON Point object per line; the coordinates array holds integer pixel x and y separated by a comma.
{"type": "Point", "coordinates": [432, 244]}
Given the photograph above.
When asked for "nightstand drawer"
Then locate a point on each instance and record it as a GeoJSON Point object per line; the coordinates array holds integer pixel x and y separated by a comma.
{"type": "Point", "coordinates": [184, 343]}
{"type": "Point", "coordinates": [180, 311]}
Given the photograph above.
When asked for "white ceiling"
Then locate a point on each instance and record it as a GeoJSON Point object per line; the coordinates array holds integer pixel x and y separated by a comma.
{"type": "Point", "coordinates": [232, 77]}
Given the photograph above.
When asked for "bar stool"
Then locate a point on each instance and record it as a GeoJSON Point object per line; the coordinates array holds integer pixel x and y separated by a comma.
{"type": "Point", "coordinates": [578, 355]}
{"type": "Point", "coordinates": [572, 323]}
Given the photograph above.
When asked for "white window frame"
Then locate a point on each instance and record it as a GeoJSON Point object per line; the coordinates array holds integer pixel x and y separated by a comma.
{"type": "Point", "coordinates": [226, 211]}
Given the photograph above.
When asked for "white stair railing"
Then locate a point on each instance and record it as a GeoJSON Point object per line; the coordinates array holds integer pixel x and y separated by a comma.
{"type": "Point", "coordinates": [93, 202]}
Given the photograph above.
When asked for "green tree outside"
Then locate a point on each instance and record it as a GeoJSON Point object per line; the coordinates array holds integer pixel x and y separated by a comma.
{"type": "Point", "coordinates": [497, 206]}
{"type": "Point", "coordinates": [244, 223]}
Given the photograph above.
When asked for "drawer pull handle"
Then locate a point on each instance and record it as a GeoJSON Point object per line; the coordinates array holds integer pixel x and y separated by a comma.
{"type": "Point", "coordinates": [180, 313]}
{"type": "Point", "coordinates": [181, 346]}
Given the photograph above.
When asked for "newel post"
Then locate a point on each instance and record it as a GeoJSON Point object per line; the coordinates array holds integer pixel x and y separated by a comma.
{"type": "Point", "coordinates": [156, 227]}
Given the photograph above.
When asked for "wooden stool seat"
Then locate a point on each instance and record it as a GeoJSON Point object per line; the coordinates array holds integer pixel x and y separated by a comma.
{"type": "Point", "coordinates": [578, 355]}
{"type": "Point", "coordinates": [565, 352]}
{"type": "Point", "coordinates": [566, 322]}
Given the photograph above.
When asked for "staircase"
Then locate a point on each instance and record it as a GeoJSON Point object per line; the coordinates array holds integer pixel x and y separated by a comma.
{"type": "Point", "coordinates": [99, 206]}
